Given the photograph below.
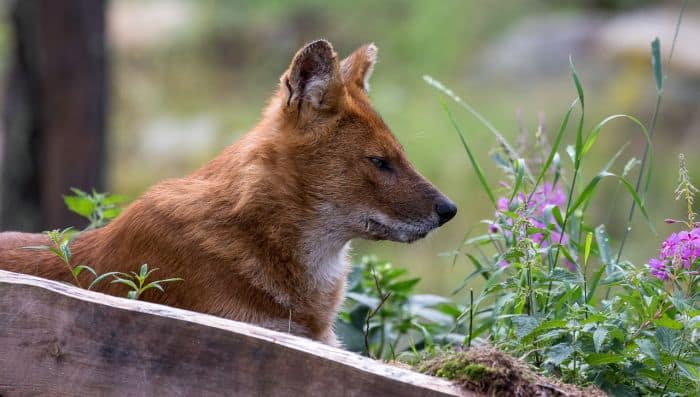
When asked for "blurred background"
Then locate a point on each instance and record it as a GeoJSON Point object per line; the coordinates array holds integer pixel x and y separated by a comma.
{"type": "Point", "coordinates": [119, 95]}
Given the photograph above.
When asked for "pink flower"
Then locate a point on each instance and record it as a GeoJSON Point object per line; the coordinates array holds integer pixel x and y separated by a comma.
{"type": "Point", "coordinates": [679, 251]}
{"type": "Point", "coordinates": [544, 197]}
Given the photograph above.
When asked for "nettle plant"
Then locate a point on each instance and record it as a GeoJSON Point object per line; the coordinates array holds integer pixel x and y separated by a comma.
{"type": "Point", "coordinates": [555, 294]}
{"type": "Point", "coordinates": [99, 209]}
{"type": "Point", "coordinates": [384, 317]}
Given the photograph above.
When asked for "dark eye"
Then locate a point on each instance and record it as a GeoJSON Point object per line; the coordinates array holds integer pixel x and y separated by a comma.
{"type": "Point", "coordinates": [380, 163]}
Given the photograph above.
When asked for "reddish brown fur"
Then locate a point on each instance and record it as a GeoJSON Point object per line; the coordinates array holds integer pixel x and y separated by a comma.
{"type": "Point", "coordinates": [258, 233]}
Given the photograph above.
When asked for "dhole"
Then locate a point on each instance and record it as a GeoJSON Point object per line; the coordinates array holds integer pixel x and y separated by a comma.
{"type": "Point", "coordinates": [261, 233]}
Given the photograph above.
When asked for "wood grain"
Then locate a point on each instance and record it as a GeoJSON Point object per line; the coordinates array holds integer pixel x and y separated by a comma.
{"type": "Point", "coordinates": [56, 339]}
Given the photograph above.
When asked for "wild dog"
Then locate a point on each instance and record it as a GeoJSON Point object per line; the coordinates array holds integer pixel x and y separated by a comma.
{"type": "Point", "coordinates": [260, 233]}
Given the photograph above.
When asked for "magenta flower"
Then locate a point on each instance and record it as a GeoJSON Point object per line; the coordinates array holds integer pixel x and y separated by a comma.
{"type": "Point", "coordinates": [680, 251]}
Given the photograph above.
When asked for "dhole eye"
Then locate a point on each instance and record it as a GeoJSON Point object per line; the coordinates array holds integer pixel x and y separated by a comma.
{"type": "Point", "coordinates": [380, 163]}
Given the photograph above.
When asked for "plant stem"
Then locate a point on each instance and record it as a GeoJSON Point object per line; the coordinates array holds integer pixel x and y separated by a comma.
{"type": "Point", "coordinates": [373, 313]}
{"type": "Point", "coordinates": [471, 316]}
{"type": "Point", "coordinates": [652, 126]}
{"type": "Point", "coordinates": [561, 236]}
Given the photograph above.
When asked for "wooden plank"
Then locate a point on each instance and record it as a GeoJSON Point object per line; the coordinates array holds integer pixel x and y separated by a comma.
{"type": "Point", "coordinates": [57, 339]}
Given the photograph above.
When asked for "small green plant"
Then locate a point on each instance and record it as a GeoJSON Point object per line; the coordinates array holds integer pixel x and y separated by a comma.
{"type": "Point", "coordinates": [98, 208]}
{"type": "Point", "coordinates": [383, 316]}
{"type": "Point", "coordinates": [60, 246]}
{"type": "Point", "coordinates": [137, 282]}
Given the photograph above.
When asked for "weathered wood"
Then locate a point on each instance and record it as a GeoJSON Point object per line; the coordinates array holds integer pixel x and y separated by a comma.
{"type": "Point", "coordinates": [57, 339]}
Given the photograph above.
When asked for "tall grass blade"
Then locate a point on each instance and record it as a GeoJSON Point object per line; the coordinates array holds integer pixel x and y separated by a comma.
{"type": "Point", "coordinates": [441, 87]}
{"type": "Point", "coordinates": [472, 159]}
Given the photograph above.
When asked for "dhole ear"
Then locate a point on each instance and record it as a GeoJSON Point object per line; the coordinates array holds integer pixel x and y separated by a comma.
{"type": "Point", "coordinates": [313, 77]}
{"type": "Point", "coordinates": [357, 68]}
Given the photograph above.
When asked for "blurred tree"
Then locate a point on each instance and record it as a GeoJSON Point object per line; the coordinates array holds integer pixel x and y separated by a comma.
{"type": "Point", "coordinates": [55, 111]}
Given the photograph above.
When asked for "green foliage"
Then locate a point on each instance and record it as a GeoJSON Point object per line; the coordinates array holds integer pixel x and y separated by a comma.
{"type": "Point", "coordinates": [60, 247]}
{"type": "Point", "coordinates": [137, 281]}
{"type": "Point", "coordinates": [383, 316]}
{"type": "Point", "coordinates": [553, 292]}
{"type": "Point", "coordinates": [544, 263]}
{"type": "Point", "coordinates": [98, 208]}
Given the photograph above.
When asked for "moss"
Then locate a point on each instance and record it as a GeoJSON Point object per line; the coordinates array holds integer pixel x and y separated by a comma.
{"type": "Point", "coordinates": [473, 372]}
{"type": "Point", "coordinates": [459, 370]}
{"type": "Point", "coordinates": [493, 372]}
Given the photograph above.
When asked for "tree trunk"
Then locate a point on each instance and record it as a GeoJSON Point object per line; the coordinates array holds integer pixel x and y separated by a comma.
{"type": "Point", "coordinates": [55, 111]}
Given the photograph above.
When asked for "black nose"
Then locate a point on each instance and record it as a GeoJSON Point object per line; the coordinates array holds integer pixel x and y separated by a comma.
{"type": "Point", "coordinates": [446, 210]}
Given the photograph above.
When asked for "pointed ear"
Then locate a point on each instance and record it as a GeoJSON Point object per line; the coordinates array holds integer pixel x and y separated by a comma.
{"type": "Point", "coordinates": [357, 68]}
{"type": "Point", "coordinates": [313, 77]}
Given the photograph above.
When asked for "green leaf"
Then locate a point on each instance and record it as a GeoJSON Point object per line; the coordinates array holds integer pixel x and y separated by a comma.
{"type": "Point", "coordinates": [80, 205]}
{"type": "Point", "coordinates": [143, 270]}
{"type": "Point", "coordinates": [524, 325]}
{"type": "Point", "coordinates": [555, 145]}
{"type": "Point", "coordinates": [648, 348]}
{"type": "Point", "coordinates": [666, 321]}
{"type": "Point", "coordinates": [657, 65]}
{"type": "Point", "coordinates": [577, 83]}
{"type": "Point", "coordinates": [427, 300]}
{"type": "Point", "coordinates": [501, 139]}
{"type": "Point", "coordinates": [403, 286]}
{"type": "Point", "coordinates": [590, 188]}
{"type": "Point", "coordinates": [155, 285]}
{"type": "Point", "coordinates": [472, 159]}
{"type": "Point", "coordinates": [668, 339]}
{"type": "Point", "coordinates": [587, 249]}
{"type": "Point", "coordinates": [595, 132]}
{"type": "Point", "coordinates": [603, 358]}
{"type": "Point", "coordinates": [542, 328]}
{"type": "Point", "coordinates": [559, 353]}
{"type": "Point", "coordinates": [603, 242]}
{"type": "Point", "coordinates": [599, 336]}
{"type": "Point", "coordinates": [170, 280]}
{"type": "Point", "coordinates": [129, 283]}
{"type": "Point", "coordinates": [519, 172]}
{"type": "Point", "coordinates": [111, 213]}
{"type": "Point", "coordinates": [79, 269]}
{"type": "Point", "coordinates": [363, 299]}
{"type": "Point", "coordinates": [100, 278]}
{"type": "Point", "coordinates": [595, 282]}
{"type": "Point", "coordinates": [114, 199]}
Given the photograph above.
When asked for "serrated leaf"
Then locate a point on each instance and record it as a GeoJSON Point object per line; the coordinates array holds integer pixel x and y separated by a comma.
{"type": "Point", "coordinates": [666, 321]}
{"type": "Point", "coordinates": [599, 336]}
{"type": "Point", "coordinates": [648, 348]}
{"type": "Point", "coordinates": [604, 358]}
{"type": "Point", "coordinates": [559, 353]}
{"type": "Point", "coordinates": [667, 339]}
{"type": "Point", "coordinates": [524, 325]}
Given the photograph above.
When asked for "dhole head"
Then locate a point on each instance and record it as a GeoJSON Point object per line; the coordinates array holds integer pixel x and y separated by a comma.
{"type": "Point", "coordinates": [351, 168]}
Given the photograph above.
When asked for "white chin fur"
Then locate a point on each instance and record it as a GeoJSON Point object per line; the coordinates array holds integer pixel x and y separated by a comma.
{"type": "Point", "coordinates": [382, 227]}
